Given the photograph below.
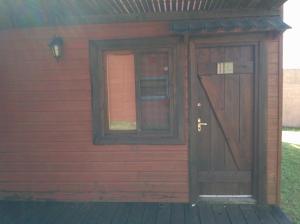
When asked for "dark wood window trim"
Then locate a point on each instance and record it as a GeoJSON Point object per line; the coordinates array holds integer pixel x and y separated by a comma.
{"type": "Point", "coordinates": [99, 98]}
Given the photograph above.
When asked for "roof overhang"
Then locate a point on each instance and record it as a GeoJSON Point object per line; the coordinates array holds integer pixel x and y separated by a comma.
{"type": "Point", "coordinates": [245, 24]}
{"type": "Point", "coordinates": [20, 13]}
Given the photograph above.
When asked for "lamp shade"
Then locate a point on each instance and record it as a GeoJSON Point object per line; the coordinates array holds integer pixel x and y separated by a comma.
{"type": "Point", "coordinates": [56, 47]}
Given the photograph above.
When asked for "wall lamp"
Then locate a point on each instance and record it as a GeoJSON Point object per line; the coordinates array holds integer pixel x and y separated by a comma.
{"type": "Point", "coordinates": [56, 47]}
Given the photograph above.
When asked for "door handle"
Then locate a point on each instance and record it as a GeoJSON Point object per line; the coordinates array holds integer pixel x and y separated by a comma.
{"type": "Point", "coordinates": [200, 124]}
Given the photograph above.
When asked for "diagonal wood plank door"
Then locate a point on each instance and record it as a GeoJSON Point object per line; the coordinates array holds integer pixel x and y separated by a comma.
{"type": "Point", "coordinates": [222, 95]}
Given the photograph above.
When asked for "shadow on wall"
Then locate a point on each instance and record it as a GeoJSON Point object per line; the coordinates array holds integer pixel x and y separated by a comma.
{"type": "Point", "coordinates": [291, 98]}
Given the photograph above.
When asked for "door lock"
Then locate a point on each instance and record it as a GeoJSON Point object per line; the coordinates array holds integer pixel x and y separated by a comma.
{"type": "Point", "coordinates": [200, 124]}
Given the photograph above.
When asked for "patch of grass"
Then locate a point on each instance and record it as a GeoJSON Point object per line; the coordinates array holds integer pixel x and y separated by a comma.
{"type": "Point", "coordinates": [290, 182]}
{"type": "Point", "coordinates": [290, 129]}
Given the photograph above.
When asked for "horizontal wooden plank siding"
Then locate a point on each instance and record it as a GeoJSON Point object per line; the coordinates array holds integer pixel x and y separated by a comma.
{"type": "Point", "coordinates": [46, 149]}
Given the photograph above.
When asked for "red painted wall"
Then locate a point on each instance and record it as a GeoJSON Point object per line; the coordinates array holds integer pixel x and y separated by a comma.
{"type": "Point", "coordinates": [46, 149]}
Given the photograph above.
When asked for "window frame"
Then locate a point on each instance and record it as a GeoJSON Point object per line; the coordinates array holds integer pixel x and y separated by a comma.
{"type": "Point", "coordinates": [101, 134]}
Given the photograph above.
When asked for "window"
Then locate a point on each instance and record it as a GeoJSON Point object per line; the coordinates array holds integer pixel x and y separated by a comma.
{"type": "Point", "coordinates": [137, 91]}
{"type": "Point", "coordinates": [120, 79]}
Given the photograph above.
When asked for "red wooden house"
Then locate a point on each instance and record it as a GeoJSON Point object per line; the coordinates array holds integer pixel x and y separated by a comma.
{"type": "Point", "coordinates": [141, 100]}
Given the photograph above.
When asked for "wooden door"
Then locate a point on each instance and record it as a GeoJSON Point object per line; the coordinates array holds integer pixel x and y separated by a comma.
{"type": "Point", "coordinates": [221, 120]}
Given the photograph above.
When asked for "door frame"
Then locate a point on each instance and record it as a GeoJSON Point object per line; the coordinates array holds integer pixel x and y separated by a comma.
{"type": "Point", "coordinates": [259, 110]}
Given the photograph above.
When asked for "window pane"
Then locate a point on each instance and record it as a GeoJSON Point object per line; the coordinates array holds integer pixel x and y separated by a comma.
{"type": "Point", "coordinates": [120, 71]}
{"type": "Point", "coordinates": [154, 89]}
{"type": "Point", "coordinates": [155, 64]}
{"type": "Point", "coordinates": [155, 115]}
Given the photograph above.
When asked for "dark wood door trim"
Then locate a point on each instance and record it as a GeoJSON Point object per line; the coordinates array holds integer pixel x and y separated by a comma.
{"type": "Point", "coordinates": [260, 110]}
{"type": "Point", "coordinates": [261, 98]}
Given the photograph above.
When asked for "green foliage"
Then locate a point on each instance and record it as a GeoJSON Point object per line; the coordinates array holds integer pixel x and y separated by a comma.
{"type": "Point", "coordinates": [290, 129]}
{"type": "Point", "coordinates": [290, 182]}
